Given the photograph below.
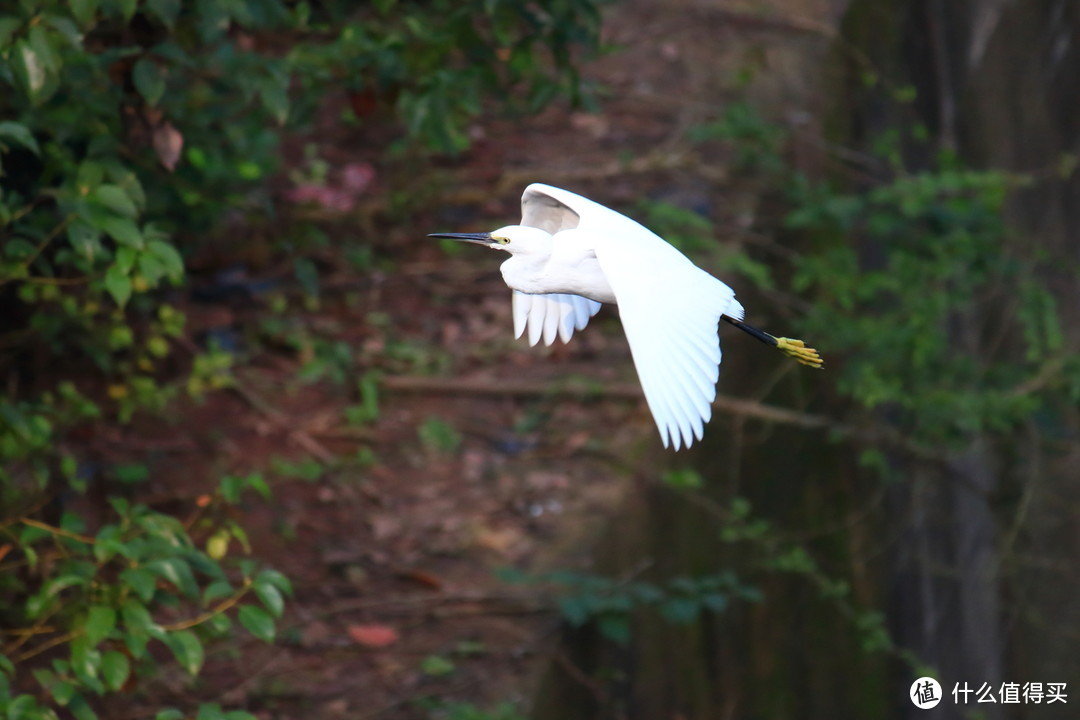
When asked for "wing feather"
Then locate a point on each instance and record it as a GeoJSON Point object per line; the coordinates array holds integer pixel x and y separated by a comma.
{"type": "Point", "coordinates": [552, 318]}
{"type": "Point", "coordinates": [521, 303]}
{"type": "Point", "coordinates": [535, 322]}
{"type": "Point", "coordinates": [548, 315]}
{"type": "Point", "coordinates": [670, 310]}
{"type": "Point", "coordinates": [584, 309]}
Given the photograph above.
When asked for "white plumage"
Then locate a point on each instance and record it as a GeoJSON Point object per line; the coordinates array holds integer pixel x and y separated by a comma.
{"type": "Point", "coordinates": [570, 254]}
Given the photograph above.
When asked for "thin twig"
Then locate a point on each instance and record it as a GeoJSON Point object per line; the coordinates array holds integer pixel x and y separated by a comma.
{"type": "Point", "coordinates": [576, 389]}
{"type": "Point", "coordinates": [66, 637]}
{"type": "Point", "coordinates": [212, 612]}
{"type": "Point", "coordinates": [53, 530]}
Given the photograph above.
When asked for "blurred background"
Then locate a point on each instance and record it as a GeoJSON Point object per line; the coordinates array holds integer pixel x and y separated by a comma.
{"type": "Point", "coordinates": [268, 451]}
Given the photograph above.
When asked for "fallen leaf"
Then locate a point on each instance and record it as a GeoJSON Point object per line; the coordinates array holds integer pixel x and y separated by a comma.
{"type": "Point", "coordinates": [373, 636]}
{"type": "Point", "coordinates": [168, 142]}
{"type": "Point", "coordinates": [423, 578]}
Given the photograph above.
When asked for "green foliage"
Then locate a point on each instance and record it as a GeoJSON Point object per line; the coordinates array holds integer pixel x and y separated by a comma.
{"type": "Point", "coordinates": [771, 551]}
{"type": "Point", "coordinates": [610, 604]}
{"type": "Point", "coordinates": [107, 598]}
{"type": "Point", "coordinates": [683, 478]}
{"type": "Point", "coordinates": [435, 75]}
{"type": "Point", "coordinates": [128, 128]}
{"type": "Point", "coordinates": [437, 666]}
{"type": "Point", "coordinates": [756, 144]}
{"type": "Point", "coordinates": [923, 319]}
{"type": "Point", "coordinates": [915, 284]}
{"type": "Point", "coordinates": [439, 436]}
{"type": "Point", "coordinates": [367, 410]}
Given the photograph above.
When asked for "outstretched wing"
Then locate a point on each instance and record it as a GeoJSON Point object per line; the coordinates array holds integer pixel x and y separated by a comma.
{"type": "Point", "coordinates": [670, 308]}
{"type": "Point", "coordinates": [550, 315]}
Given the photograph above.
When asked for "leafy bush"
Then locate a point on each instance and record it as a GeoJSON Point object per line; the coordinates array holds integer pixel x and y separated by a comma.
{"type": "Point", "coordinates": [610, 603]}
{"type": "Point", "coordinates": [127, 128]}
{"type": "Point", "coordinates": [917, 287]}
{"type": "Point", "coordinates": [138, 579]}
{"type": "Point", "coordinates": [435, 75]}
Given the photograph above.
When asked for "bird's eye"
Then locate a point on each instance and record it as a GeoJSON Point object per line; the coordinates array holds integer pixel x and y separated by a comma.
{"type": "Point", "coordinates": [501, 240]}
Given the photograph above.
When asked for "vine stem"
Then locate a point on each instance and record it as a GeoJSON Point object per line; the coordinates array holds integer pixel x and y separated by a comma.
{"type": "Point", "coordinates": [66, 637]}
{"type": "Point", "coordinates": [52, 529]}
{"type": "Point", "coordinates": [212, 612]}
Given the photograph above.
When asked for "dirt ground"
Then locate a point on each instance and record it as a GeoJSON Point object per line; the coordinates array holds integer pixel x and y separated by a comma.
{"type": "Point", "coordinates": [392, 530]}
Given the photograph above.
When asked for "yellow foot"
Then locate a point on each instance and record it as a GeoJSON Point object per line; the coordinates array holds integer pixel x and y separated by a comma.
{"type": "Point", "coordinates": [799, 352]}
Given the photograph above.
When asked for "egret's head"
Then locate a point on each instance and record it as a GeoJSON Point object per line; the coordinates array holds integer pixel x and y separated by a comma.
{"type": "Point", "coordinates": [515, 239]}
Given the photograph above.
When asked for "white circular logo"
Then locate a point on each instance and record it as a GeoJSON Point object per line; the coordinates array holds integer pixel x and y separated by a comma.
{"type": "Point", "coordinates": [925, 693]}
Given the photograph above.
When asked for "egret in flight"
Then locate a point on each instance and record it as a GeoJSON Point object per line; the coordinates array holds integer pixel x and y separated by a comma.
{"type": "Point", "coordinates": [570, 254]}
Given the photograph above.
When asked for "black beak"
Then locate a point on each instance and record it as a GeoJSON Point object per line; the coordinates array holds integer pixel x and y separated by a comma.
{"type": "Point", "coordinates": [478, 238]}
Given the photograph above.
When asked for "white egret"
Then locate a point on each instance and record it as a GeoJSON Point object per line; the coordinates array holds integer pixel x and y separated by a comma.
{"type": "Point", "coordinates": [570, 254]}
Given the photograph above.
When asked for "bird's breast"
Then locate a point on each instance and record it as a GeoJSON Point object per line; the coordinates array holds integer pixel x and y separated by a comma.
{"type": "Point", "coordinates": [582, 276]}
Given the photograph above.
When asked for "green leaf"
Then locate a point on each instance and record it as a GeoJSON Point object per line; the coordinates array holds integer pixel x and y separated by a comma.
{"type": "Point", "coordinates": [275, 578]}
{"type": "Point", "coordinates": [118, 285]}
{"type": "Point", "coordinates": [30, 69]}
{"type": "Point", "coordinates": [114, 198]}
{"type": "Point", "coordinates": [178, 572]}
{"type": "Point", "coordinates": [683, 478]}
{"type": "Point", "coordinates": [169, 714]}
{"type": "Point", "coordinates": [100, 621]}
{"type": "Point", "coordinates": [81, 710]}
{"type": "Point", "coordinates": [271, 598]}
{"type": "Point", "coordinates": [209, 711]}
{"type": "Point", "coordinates": [123, 231]}
{"type": "Point", "coordinates": [142, 581]}
{"type": "Point", "coordinates": [55, 586]}
{"type": "Point", "coordinates": [437, 666]}
{"type": "Point", "coordinates": [9, 25]}
{"type": "Point", "coordinates": [41, 40]}
{"type": "Point", "coordinates": [187, 648]}
{"type": "Point", "coordinates": [169, 257]}
{"type": "Point", "coordinates": [615, 628]}
{"type": "Point", "coordinates": [115, 669]}
{"type": "Point", "coordinates": [166, 11]}
{"type": "Point", "coordinates": [149, 80]}
{"type": "Point", "coordinates": [137, 620]}
{"type": "Point", "coordinates": [275, 98]}
{"type": "Point", "coordinates": [257, 622]}
{"type": "Point", "coordinates": [85, 660]}
{"type": "Point", "coordinates": [19, 133]}
{"type": "Point", "coordinates": [126, 8]}
{"type": "Point", "coordinates": [62, 692]}
{"type": "Point", "coordinates": [216, 590]}
{"type": "Point", "coordinates": [84, 12]}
